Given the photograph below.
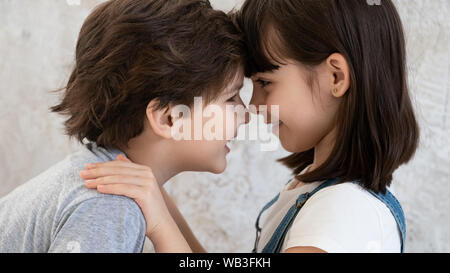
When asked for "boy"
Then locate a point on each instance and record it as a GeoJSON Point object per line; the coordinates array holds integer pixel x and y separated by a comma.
{"type": "Point", "coordinates": [135, 60]}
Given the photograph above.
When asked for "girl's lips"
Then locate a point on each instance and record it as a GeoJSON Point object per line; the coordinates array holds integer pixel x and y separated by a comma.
{"type": "Point", "coordinates": [277, 123]}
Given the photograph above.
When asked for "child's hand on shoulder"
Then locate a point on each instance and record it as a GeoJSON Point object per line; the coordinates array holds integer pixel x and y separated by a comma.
{"type": "Point", "coordinates": [123, 177]}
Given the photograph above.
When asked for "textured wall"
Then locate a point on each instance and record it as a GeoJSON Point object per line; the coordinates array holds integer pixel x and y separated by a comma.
{"type": "Point", "coordinates": [37, 40]}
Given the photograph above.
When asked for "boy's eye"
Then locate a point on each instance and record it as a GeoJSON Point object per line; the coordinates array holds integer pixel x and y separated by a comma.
{"type": "Point", "coordinates": [232, 99]}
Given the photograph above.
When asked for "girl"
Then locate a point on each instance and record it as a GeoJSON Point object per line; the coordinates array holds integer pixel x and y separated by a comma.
{"type": "Point", "coordinates": [337, 71]}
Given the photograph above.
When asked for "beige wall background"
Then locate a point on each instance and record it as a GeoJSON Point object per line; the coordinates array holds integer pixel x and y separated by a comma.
{"type": "Point", "coordinates": [37, 41]}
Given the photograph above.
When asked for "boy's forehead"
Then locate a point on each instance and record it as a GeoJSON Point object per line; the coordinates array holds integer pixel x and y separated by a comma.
{"type": "Point", "coordinates": [237, 83]}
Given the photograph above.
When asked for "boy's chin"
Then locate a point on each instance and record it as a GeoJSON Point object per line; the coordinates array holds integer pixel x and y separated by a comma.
{"type": "Point", "coordinates": [219, 167]}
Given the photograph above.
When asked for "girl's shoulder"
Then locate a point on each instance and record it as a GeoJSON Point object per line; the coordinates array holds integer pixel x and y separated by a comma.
{"type": "Point", "coordinates": [348, 190]}
{"type": "Point", "coordinates": [345, 217]}
{"type": "Point", "coordinates": [350, 197]}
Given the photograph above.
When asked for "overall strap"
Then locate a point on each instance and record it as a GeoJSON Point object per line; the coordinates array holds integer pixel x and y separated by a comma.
{"type": "Point", "coordinates": [258, 228]}
{"type": "Point", "coordinates": [396, 209]}
{"type": "Point", "coordinates": [275, 243]}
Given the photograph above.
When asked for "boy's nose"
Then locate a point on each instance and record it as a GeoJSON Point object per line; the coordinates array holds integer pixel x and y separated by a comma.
{"type": "Point", "coordinates": [247, 117]}
{"type": "Point", "coordinates": [257, 100]}
{"type": "Point", "coordinates": [243, 116]}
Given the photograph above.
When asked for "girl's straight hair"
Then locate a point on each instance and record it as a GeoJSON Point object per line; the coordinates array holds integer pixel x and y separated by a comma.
{"type": "Point", "coordinates": [377, 128]}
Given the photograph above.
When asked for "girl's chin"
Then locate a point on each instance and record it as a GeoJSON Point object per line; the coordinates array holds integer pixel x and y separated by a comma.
{"type": "Point", "coordinates": [293, 148]}
{"type": "Point", "coordinates": [290, 145]}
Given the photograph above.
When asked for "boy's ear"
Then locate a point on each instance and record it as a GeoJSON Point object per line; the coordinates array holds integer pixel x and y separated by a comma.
{"type": "Point", "coordinates": [340, 74]}
{"type": "Point", "coordinates": [160, 120]}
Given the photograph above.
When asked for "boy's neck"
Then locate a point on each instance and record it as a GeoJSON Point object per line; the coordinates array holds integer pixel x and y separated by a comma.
{"type": "Point", "coordinates": [156, 155]}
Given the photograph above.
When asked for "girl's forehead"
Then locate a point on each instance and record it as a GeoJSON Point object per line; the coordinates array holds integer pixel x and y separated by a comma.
{"type": "Point", "coordinates": [269, 53]}
{"type": "Point", "coordinates": [272, 45]}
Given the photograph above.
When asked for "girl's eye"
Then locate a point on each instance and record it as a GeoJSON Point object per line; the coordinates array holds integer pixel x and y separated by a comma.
{"type": "Point", "coordinates": [263, 83]}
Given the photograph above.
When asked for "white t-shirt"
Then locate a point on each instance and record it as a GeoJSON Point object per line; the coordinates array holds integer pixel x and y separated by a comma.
{"type": "Point", "coordinates": [339, 218]}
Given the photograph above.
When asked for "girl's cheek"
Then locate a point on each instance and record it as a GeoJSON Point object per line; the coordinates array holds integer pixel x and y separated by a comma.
{"type": "Point", "coordinates": [282, 108]}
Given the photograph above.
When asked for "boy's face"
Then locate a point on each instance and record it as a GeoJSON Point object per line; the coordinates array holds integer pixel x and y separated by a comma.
{"type": "Point", "coordinates": [212, 126]}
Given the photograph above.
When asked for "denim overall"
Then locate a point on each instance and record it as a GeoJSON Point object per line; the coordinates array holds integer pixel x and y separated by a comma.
{"type": "Point", "coordinates": [276, 241]}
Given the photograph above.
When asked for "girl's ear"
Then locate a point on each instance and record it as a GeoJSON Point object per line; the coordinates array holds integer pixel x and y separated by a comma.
{"type": "Point", "coordinates": [160, 121]}
{"type": "Point", "coordinates": [340, 74]}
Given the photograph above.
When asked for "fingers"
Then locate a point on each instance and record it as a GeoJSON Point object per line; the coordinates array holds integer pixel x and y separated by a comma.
{"type": "Point", "coordinates": [122, 158]}
{"type": "Point", "coordinates": [119, 157]}
{"type": "Point", "coordinates": [130, 191]}
{"type": "Point", "coordinates": [109, 171]}
{"type": "Point", "coordinates": [117, 179]}
{"type": "Point", "coordinates": [120, 162]}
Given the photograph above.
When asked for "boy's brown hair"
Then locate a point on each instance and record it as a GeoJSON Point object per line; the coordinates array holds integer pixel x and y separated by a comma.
{"type": "Point", "coordinates": [130, 52]}
{"type": "Point", "coordinates": [377, 127]}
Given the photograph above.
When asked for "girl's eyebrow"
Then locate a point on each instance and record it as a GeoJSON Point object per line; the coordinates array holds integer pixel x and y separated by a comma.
{"type": "Point", "coordinates": [262, 74]}
{"type": "Point", "coordinates": [272, 71]}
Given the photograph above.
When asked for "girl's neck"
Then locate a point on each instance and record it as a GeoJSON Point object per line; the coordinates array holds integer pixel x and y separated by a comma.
{"type": "Point", "coordinates": [321, 153]}
{"type": "Point", "coordinates": [323, 149]}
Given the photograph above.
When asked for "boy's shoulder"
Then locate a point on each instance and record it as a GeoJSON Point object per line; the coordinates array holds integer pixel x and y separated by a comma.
{"type": "Point", "coordinates": [71, 188]}
{"type": "Point", "coordinates": [83, 213]}
{"type": "Point", "coordinates": [59, 206]}
{"type": "Point", "coordinates": [60, 189]}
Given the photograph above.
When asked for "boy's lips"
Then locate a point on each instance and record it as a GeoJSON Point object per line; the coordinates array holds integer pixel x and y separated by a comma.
{"type": "Point", "coordinates": [278, 123]}
{"type": "Point", "coordinates": [226, 145]}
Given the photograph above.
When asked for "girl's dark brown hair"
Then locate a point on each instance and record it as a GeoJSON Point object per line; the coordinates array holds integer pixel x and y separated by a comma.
{"type": "Point", "coordinates": [377, 128]}
{"type": "Point", "coordinates": [130, 52]}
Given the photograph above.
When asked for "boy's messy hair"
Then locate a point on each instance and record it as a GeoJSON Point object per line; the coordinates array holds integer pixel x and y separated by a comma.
{"type": "Point", "coordinates": [377, 127]}
{"type": "Point", "coordinates": [130, 52]}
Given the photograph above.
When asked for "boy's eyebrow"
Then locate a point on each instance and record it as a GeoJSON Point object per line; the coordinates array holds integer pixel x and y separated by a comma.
{"type": "Point", "coordinates": [235, 88]}
{"type": "Point", "coordinates": [238, 86]}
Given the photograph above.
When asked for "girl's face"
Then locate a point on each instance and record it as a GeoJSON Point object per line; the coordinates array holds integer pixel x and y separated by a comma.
{"type": "Point", "coordinates": [306, 103]}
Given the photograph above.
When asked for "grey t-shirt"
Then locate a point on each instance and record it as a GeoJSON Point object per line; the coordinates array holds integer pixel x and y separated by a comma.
{"type": "Point", "coordinates": [55, 212]}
